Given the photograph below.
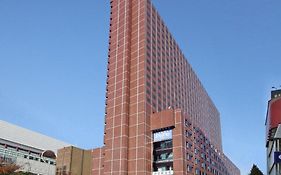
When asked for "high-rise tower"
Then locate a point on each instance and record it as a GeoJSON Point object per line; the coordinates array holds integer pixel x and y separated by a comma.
{"type": "Point", "coordinates": [159, 118]}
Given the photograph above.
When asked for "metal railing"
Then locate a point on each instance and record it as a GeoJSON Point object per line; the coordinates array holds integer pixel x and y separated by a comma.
{"type": "Point", "coordinates": [168, 172]}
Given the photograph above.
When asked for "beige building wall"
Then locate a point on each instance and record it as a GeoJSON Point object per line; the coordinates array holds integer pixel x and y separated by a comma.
{"type": "Point", "coordinates": [74, 161]}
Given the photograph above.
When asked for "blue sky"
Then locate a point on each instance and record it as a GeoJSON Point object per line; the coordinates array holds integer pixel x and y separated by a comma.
{"type": "Point", "coordinates": [53, 58]}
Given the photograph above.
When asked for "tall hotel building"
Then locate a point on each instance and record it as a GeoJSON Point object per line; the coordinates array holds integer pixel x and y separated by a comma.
{"type": "Point", "coordinates": [159, 118]}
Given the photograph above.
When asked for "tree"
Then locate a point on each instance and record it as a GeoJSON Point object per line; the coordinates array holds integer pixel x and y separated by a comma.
{"type": "Point", "coordinates": [7, 167]}
{"type": "Point", "coordinates": [10, 168]}
{"type": "Point", "coordinates": [255, 170]}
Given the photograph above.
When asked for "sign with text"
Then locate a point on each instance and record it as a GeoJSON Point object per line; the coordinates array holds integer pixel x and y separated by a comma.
{"type": "Point", "coordinates": [162, 135]}
{"type": "Point", "coordinates": [277, 157]}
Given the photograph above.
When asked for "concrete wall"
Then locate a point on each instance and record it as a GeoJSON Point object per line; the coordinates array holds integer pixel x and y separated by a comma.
{"type": "Point", "coordinates": [35, 167]}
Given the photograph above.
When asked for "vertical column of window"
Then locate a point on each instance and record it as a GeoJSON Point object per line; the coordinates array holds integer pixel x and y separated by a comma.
{"type": "Point", "coordinates": [206, 106]}
{"type": "Point", "coordinates": [196, 99]}
{"type": "Point", "coordinates": [207, 114]}
{"type": "Point", "coordinates": [149, 60]}
{"type": "Point", "coordinates": [163, 79]}
{"type": "Point", "coordinates": [160, 67]}
{"type": "Point", "coordinates": [198, 102]}
{"type": "Point", "coordinates": [170, 71]}
{"type": "Point", "coordinates": [152, 52]}
{"type": "Point", "coordinates": [185, 77]}
{"type": "Point", "coordinates": [182, 82]}
{"type": "Point", "coordinates": [174, 74]}
{"type": "Point", "coordinates": [201, 104]}
{"type": "Point", "coordinates": [153, 60]}
{"type": "Point", "coordinates": [156, 59]}
{"type": "Point", "coordinates": [191, 93]}
{"type": "Point", "coordinates": [193, 147]}
{"type": "Point", "coordinates": [187, 87]}
{"type": "Point", "coordinates": [176, 99]}
{"type": "Point", "coordinates": [167, 69]}
{"type": "Point", "coordinates": [153, 96]}
{"type": "Point", "coordinates": [193, 99]}
{"type": "Point", "coordinates": [149, 53]}
{"type": "Point", "coordinates": [179, 78]}
{"type": "Point", "coordinates": [164, 68]}
{"type": "Point", "coordinates": [168, 87]}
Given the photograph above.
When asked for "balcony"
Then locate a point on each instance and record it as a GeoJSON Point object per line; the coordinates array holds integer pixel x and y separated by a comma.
{"type": "Point", "coordinates": [168, 172]}
{"type": "Point", "coordinates": [164, 160]}
{"type": "Point", "coordinates": [164, 149]}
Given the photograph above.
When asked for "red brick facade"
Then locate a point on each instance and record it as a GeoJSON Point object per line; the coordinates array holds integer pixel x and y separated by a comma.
{"type": "Point", "coordinates": [148, 74]}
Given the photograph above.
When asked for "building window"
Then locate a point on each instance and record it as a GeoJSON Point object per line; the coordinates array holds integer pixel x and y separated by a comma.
{"type": "Point", "coordinates": [189, 168]}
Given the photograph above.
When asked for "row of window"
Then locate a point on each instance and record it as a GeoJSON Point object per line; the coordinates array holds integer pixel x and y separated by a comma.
{"type": "Point", "coordinates": [13, 153]}
{"type": "Point", "coordinates": [205, 153]}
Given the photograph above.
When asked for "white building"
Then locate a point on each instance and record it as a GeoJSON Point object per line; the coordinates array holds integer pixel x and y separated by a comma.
{"type": "Point", "coordinates": [34, 152]}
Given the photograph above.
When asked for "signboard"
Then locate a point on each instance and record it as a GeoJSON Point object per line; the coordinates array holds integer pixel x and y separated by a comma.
{"type": "Point", "coordinates": [277, 157]}
{"type": "Point", "coordinates": [163, 135]}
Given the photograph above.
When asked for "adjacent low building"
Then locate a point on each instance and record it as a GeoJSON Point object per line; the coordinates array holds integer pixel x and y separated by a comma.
{"type": "Point", "coordinates": [72, 160]}
{"type": "Point", "coordinates": [273, 133]}
{"type": "Point", "coordinates": [34, 152]}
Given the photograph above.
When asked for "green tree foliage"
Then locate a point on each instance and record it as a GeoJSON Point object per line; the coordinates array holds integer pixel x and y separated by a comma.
{"type": "Point", "coordinates": [255, 171]}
